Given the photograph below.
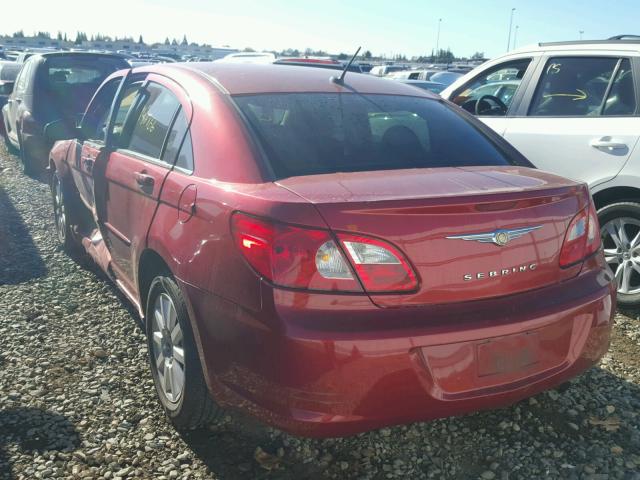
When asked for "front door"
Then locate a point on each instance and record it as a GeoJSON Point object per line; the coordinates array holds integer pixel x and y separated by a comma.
{"type": "Point", "coordinates": [581, 120]}
{"type": "Point", "coordinates": [495, 92]}
{"type": "Point", "coordinates": [135, 173]}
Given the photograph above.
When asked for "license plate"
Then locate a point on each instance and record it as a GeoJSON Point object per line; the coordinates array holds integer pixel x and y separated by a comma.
{"type": "Point", "coordinates": [508, 354]}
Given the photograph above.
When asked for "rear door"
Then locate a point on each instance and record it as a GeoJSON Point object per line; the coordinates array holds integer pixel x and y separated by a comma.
{"type": "Point", "coordinates": [136, 170]}
{"type": "Point", "coordinates": [580, 119]}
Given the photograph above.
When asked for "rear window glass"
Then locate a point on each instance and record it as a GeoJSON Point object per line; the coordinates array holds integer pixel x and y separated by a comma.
{"type": "Point", "coordinates": [73, 71]}
{"type": "Point", "coordinates": [305, 134]}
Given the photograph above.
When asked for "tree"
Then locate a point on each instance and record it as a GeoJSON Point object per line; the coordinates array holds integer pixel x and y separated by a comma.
{"type": "Point", "coordinates": [65, 37]}
{"type": "Point", "coordinates": [367, 55]}
{"type": "Point", "coordinates": [343, 56]}
{"type": "Point", "coordinates": [43, 35]}
{"type": "Point", "coordinates": [140, 40]}
{"type": "Point", "coordinates": [80, 37]}
{"type": "Point", "coordinates": [18, 34]}
{"type": "Point", "coordinates": [166, 41]}
{"type": "Point", "coordinates": [174, 42]}
{"type": "Point", "coordinates": [59, 36]}
{"type": "Point", "coordinates": [184, 41]}
{"type": "Point", "coordinates": [477, 56]}
{"type": "Point", "coordinates": [248, 49]}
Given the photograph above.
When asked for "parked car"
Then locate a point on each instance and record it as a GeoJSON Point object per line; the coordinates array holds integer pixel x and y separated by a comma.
{"type": "Point", "coordinates": [247, 57]}
{"type": "Point", "coordinates": [434, 87]}
{"type": "Point", "coordinates": [51, 86]}
{"type": "Point", "coordinates": [446, 78]}
{"type": "Point", "coordinates": [362, 261]}
{"type": "Point", "coordinates": [575, 112]}
{"type": "Point", "coordinates": [8, 74]}
{"type": "Point", "coordinates": [318, 63]}
{"type": "Point", "coordinates": [382, 70]}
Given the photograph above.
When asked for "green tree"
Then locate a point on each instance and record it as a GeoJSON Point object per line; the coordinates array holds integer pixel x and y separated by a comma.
{"type": "Point", "coordinates": [248, 49]}
{"type": "Point", "coordinates": [477, 56]}
{"type": "Point", "coordinates": [80, 37]}
{"type": "Point", "coordinates": [184, 41]}
{"type": "Point", "coordinates": [59, 36]}
{"type": "Point", "coordinates": [166, 41]}
{"type": "Point", "coordinates": [140, 40]}
{"type": "Point", "coordinates": [367, 55]}
{"type": "Point", "coordinates": [18, 34]}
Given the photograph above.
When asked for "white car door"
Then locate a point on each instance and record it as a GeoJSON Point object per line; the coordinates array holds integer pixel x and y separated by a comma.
{"type": "Point", "coordinates": [491, 92]}
{"type": "Point", "coordinates": [580, 122]}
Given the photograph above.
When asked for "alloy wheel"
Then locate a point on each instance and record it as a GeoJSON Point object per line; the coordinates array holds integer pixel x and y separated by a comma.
{"type": "Point", "coordinates": [168, 348]}
{"type": "Point", "coordinates": [59, 209]}
{"type": "Point", "coordinates": [621, 241]}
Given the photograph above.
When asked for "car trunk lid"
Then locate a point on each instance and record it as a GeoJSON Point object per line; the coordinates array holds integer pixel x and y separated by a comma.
{"type": "Point", "coordinates": [432, 215]}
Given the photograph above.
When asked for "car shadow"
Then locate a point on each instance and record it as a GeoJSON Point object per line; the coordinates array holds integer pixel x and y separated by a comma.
{"type": "Point", "coordinates": [20, 260]}
{"type": "Point", "coordinates": [229, 449]}
{"type": "Point", "coordinates": [33, 430]}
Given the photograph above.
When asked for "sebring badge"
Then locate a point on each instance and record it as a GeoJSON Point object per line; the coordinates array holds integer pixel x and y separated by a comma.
{"type": "Point", "coordinates": [499, 237]}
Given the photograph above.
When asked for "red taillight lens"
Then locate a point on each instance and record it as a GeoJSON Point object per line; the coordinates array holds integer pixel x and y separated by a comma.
{"type": "Point", "coordinates": [307, 258]}
{"type": "Point", "coordinates": [292, 256]}
{"type": "Point", "coordinates": [380, 266]}
{"type": "Point", "coordinates": [582, 238]}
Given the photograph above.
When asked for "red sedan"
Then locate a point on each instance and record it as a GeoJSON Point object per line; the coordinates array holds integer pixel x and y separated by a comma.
{"type": "Point", "coordinates": [331, 257]}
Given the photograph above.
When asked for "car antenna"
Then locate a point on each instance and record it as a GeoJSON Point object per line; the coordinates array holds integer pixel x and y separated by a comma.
{"type": "Point", "coordinates": [340, 79]}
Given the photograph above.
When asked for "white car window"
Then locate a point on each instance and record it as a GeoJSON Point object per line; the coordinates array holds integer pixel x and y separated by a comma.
{"type": "Point", "coordinates": [584, 86]}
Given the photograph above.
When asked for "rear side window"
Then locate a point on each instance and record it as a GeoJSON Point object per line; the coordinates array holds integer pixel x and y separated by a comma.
{"type": "Point", "coordinates": [305, 134]}
{"type": "Point", "coordinates": [178, 148]}
{"type": "Point", "coordinates": [584, 87]}
{"type": "Point", "coordinates": [155, 114]}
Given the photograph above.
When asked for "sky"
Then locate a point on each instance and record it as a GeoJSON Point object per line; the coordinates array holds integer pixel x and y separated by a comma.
{"type": "Point", "coordinates": [387, 27]}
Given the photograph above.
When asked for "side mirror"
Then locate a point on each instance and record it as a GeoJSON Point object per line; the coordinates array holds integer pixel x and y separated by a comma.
{"type": "Point", "coordinates": [60, 130]}
{"type": "Point", "coordinates": [6, 88]}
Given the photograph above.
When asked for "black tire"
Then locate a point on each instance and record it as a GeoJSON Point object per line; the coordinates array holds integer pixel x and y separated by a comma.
{"type": "Point", "coordinates": [194, 407]}
{"type": "Point", "coordinates": [64, 214]}
{"type": "Point", "coordinates": [28, 168]}
{"type": "Point", "coordinates": [628, 213]}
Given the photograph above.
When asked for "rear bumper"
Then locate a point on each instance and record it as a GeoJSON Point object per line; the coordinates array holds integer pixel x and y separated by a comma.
{"type": "Point", "coordinates": [328, 365]}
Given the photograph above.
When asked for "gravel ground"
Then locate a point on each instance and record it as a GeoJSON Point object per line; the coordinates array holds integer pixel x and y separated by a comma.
{"type": "Point", "coordinates": [77, 399]}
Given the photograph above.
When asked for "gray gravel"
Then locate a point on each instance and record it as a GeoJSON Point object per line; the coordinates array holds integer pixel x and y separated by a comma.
{"type": "Point", "coordinates": [77, 400]}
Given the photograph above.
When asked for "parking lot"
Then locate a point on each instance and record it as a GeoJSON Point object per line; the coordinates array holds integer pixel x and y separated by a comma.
{"type": "Point", "coordinates": [76, 399]}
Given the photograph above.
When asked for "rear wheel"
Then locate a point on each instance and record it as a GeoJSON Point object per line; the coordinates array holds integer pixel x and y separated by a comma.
{"type": "Point", "coordinates": [173, 355]}
{"type": "Point", "coordinates": [620, 230]}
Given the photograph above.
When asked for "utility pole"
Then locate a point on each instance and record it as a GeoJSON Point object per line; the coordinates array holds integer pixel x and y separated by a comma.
{"type": "Point", "coordinates": [510, 25]}
{"type": "Point", "coordinates": [438, 38]}
{"type": "Point", "coordinates": [515, 36]}
{"type": "Point", "coordinates": [581, 32]}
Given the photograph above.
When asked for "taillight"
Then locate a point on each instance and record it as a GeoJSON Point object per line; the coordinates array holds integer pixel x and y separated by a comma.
{"type": "Point", "coordinates": [380, 266]}
{"type": "Point", "coordinates": [582, 238]}
{"type": "Point", "coordinates": [293, 257]}
{"type": "Point", "coordinates": [307, 258]}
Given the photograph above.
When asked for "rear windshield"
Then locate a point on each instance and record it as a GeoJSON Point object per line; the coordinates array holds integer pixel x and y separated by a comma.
{"type": "Point", "coordinates": [68, 83]}
{"type": "Point", "coordinates": [314, 133]}
{"type": "Point", "coordinates": [63, 71]}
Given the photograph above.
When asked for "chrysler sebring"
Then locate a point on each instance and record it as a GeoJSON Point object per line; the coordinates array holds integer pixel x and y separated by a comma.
{"type": "Point", "coordinates": [329, 255]}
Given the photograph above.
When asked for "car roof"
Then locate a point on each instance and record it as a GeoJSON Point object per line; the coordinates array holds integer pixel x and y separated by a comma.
{"type": "Point", "coordinates": [79, 54]}
{"type": "Point", "coordinates": [249, 78]}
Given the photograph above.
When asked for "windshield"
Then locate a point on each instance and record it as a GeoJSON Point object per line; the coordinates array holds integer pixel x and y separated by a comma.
{"type": "Point", "coordinates": [305, 134]}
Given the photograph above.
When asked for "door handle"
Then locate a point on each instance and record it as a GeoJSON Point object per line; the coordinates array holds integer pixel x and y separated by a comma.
{"type": "Point", "coordinates": [608, 144]}
{"type": "Point", "coordinates": [144, 180]}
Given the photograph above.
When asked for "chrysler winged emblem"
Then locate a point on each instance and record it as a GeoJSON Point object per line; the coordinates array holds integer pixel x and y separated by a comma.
{"type": "Point", "coordinates": [500, 237]}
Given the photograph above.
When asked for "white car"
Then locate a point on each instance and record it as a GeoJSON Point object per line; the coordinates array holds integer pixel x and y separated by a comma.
{"type": "Point", "coordinates": [575, 111]}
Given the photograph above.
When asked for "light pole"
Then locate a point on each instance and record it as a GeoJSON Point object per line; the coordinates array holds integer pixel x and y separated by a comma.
{"type": "Point", "coordinates": [515, 36]}
{"type": "Point", "coordinates": [438, 37]}
{"type": "Point", "coordinates": [510, 25]}
{"type": "Point", "coordinates": [581, 32]}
